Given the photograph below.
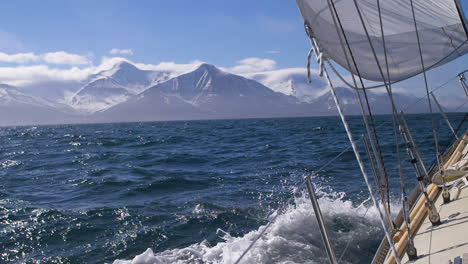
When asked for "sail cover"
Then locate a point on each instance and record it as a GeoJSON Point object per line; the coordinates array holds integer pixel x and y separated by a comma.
{"type": "Point", "coordinates": [440, 23]}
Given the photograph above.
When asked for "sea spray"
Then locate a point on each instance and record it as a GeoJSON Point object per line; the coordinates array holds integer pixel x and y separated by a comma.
{"type": "Point", "coordinates": [293, 238]}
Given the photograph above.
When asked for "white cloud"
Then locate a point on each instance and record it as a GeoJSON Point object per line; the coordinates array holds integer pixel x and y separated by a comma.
{"type": "Point", "coordinates": [62, 57]}
{"type": "Point", "coordinates": [59, 57]}
{"type": "Point", "coordinates": [249, 65]}
{"type": "Point", "coordinates": [176, 68]}
{"type": "Point", "coordinates": [26, 75]}
{"type": "Point", "coordinates": [121, 52]}
{"type": "Point", "coordinates": [274, 51]}
{"type": "Point", "coordinates": [280, 81]}
{"type": "Point", "coordinates": [19, 58]}
{"type": "Point", "coordinates": [399, 90]}
{"type": "Point", "coordinates": [171, 66]}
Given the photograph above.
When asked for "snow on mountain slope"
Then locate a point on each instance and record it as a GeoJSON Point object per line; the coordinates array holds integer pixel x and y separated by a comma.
{"type": "Point", "coordinates": [292, 81]}
{"type": "Point", "coordinates": [135, 79]}
{"type": "Point", "coordinates": [206, 93]}
{"type": "Point", "coordinates": [99, 94]}
{"type": "Point", "coordinates": [18, 108]}
{"type": "Point", "coordinates": [114, 86]}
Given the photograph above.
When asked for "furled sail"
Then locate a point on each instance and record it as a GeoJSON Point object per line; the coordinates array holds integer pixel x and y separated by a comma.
{"type": "Point", "coordinates": [440, 24]}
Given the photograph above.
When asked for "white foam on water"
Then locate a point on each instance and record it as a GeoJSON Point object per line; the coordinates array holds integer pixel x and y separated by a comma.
{"type": "Point", "coordinates": [9, 163]}
{"type": "Point", "coordinates": [293, 238]}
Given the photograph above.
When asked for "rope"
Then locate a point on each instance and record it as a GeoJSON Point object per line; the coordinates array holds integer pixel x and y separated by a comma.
{"type": "Point", "coordinates": [390, 86]}
{"type": "Point", "coordinates": [387, 87]}
{"type": "Point", "coordinates": [434, 125]}
{"type": "Point", "coordinates": [309, 79]}
{"type": "Point", "coordinates": [459, 125]}
{"type": "Point", "coordinates": [463, 83]}
{"type": "Point", "coordinates": [372, 134]}
{"type": "Point", "coordinates": [287, 203]}
{"type": "Point", "coordinates": [322, 168]}
{"type": "Point", "coordinates": [360, 162]}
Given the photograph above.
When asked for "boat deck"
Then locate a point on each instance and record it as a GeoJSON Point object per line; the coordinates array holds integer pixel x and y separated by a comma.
{"type": "Point", "coordinates": [443, 243]}
{"type": "Point", "coordinates": [447, 242]}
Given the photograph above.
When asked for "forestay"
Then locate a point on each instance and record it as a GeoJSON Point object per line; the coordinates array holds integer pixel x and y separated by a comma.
{"type": "Point", "coordinates": [441, 28]}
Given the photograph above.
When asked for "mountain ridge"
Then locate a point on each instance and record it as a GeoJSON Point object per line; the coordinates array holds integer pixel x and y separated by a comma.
{"type": "Point", "coordinates": [113, 86]}
{"type": "Point", "coordinates": [205, 93]}
{"type": "Point", "coordinates": [126, 93]}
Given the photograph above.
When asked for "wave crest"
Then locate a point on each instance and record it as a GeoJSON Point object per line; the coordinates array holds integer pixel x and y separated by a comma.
{"type": "Point", "coordinates": [293, 238]}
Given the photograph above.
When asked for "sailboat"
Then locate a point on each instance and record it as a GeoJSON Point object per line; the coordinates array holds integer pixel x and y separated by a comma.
{"type": "Point", "coordinates": [387, 42]}
{"type": "Point", "coordinates": [381, 43]}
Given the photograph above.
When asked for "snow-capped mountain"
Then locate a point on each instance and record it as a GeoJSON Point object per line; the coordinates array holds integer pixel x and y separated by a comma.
{"type": "Point", "coordinates": [292, 81]}
{"type": "Point", "coordinates": [130, 76]}
{"type": "Point", "coordinates": [126, 93]}
{"type": "Point", "coordinates": [207, 92]}
{"type": "Point", "coordinates": [114, 86]}
{"type": "Point", "coordinates": [18, 108]}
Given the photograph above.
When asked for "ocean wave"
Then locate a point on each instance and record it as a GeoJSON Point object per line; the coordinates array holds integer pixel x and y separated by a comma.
{"type": "Point", "coordinates": [293, 238]}
{"type": "Point", "coordinates": [9, 163]}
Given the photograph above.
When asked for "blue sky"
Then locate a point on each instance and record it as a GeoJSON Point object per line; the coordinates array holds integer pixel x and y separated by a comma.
{"type": "Point", "coordinates": [181, 31]}
{"type": "Point", "coordinates": [220, 32]}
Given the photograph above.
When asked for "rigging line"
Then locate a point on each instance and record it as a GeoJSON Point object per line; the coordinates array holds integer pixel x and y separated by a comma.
{"type": "Point", "coordinates": [394, 82]}
{"type": "Point", "coordinates": [357, 154]}
{"type": "Point", "coordinates": [374, 54]}
{"type": "Point", "coordinates": [288, 202]}
{"type": "Point", "coordinates": [462, 17]}
{"type": "Point", "coordinates": [434, 125]}
{"type": "Point", "coordinates": [462, 78]}
{"type": "Point", "coordinates": [423, 68]}
{"type": "Point", "coordinates": [450, 140]}
{"type": "Point", "coordinates": [413, 103]}
{"type": "Point", "coordinates": [390, 86]}
{"type": "Point", "coordinates": [372, 135]}
{"type": "Point", "coordinates": [394, 111]}
{"type": "Point", "coordinates": [331, 161]}
{"type": "Point", "coordinates": [433, 90]}
{"type": "Point", "coordinates": [383, 77]}
{"type": "Point", "coordinates": [458, 108]}
{"type": "Point", "coordinates": [378, 157]}
{"type": "Point", "coordinates": [374, 170]}
{"type": "Point", "coordinates": [361, 166]}
{"type": "Point", "coordinates": [384, 44]}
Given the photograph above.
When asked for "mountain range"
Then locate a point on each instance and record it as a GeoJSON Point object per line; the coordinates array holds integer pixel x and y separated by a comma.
{"type": "Point", "coordinates": [127, 93]}
{"type": "Point", "coordinates": [114, 86]}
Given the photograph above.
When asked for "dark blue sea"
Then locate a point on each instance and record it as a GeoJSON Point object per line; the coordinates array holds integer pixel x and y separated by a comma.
{"type": "Point", "coordinates": [192, 192]}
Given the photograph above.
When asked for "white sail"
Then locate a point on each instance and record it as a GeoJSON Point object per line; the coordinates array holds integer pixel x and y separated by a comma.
{"type": "Point", "coordinates": [441, 27]}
